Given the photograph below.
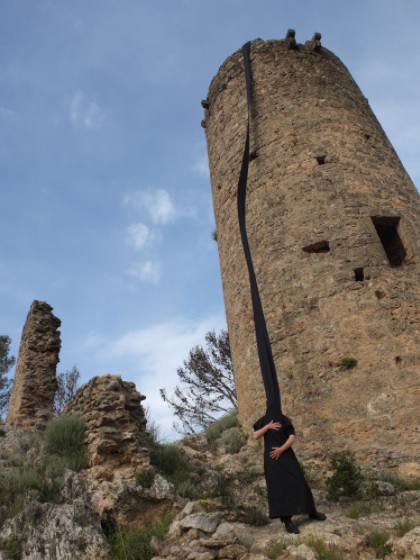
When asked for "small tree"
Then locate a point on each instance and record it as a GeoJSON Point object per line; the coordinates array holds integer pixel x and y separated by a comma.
{"type": "Point", "coordinates": [207, 387]}
{"type": "Point", "coordinates": [6, 362]}
{"type": "Point", "coordinates": [68, 384]}
{"type": "Point", "coordinates": [346, 477]}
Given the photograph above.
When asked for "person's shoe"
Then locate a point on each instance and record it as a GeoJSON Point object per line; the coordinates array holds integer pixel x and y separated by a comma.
{"type": "Point", "coordinates": [291, 528]}
{"type": "Point", "coordinates": [317, 516]}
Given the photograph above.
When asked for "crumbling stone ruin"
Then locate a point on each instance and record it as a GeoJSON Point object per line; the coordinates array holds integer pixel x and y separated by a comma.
{"type": "Point", "coordinates": [117, 441]}
{"type": "Point", "coordinates": [333, 223]}
{"type": "Point", "coordinates": [35, 383]}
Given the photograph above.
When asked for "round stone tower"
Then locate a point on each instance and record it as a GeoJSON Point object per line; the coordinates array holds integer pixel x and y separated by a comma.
{"type": "Point", "coordinates": [333, 223]}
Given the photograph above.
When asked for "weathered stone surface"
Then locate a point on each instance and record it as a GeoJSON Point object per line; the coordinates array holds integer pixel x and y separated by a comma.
{"type": "Point", "coordinates": [407, 547]}
{"type": "Point", "coordinates": [118, 447]}
{"type": "Point", "coordinates": [202, 521]}
{"type": "Point", "coordinates": [55, 533]}
{"type": "Point", "coordinates": [35, 383]}
{"type": "Point", "coordinates": [302, 552]}
{"type": "Point", "coordinates": [117, 441]}
{"type": "Point", "coordinates": [409, 470]}
{"type": "Point", "coordinates": [324, 175]}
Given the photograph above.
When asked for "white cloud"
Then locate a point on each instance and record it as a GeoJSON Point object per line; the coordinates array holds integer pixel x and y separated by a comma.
{"type": "Point", "coordinates": [85, 113]}
{"type": "Point", "coordinates": [151, 357]}
{"type": "Point", "coordinates": [94, 340]}
{"type": "Point", "coordinates": [148, 271]}
{"type": "Point", "coordinates": [6, 113]}
{"type": "Point", "coordinates": [157, 202]}
{"type": "Point", "coordinates": [140, 236]}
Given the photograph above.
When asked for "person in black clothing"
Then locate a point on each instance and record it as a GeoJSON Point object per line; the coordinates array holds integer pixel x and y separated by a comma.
{"type": "Point", "coordinates": [288, 492]}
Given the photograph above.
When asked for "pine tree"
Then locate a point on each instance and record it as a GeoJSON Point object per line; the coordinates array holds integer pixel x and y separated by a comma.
{"type": "Point", "coordinates": [6, 362]}
{"type": "Point", "coordinates": [206, 387]}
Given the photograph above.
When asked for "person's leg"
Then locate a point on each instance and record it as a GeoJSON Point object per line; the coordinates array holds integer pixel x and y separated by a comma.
{"type": "Point", "coordinates": [317, 516]}
{"type": "Point", "coordinates": [289, 525]}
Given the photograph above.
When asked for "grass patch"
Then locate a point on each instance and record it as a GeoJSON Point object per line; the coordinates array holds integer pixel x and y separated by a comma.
{"type": "Point", "coordinates": [134, 544]}
{"type": "Point", "coordinates": [32, 476]}
{"type": "Point", "coordinates": [82, 517]}
{"type": "Point", "coordinates": [227, 421]}
{"type": "Point", "coordinates": [403, 527]}
{"type": "Point", "coordinates": [275, 548]}
{"type": "Point", "coordinates": [65, 435]}
{"type": "Point", "coordinates": [43, 482]}
{"type": "Point", "coordinates": [361, 509]}
{"type": "Point", "coordinates": [255, 516]}
{"type": "Point", "coordinates": [399, 483]}
{"type": "Point", "coordinates": [145, 478]}
{"type": "Point", "coordinates": [378, 541]}
{"type": "Point", "coordinates": [354, 512]}
{"type": "Point", "coordinates": [234, 441]}
{"type": "Point", "coordinates": [324, 551]}
{"type": "Point", "coordinates": [171, 463]}
{"type": "Point", "coordinates": [346, 477]}
{"type": "Point", "coordinates": [13, 547]}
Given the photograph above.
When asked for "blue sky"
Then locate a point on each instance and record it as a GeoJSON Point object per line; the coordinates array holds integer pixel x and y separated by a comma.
{"type": "Point", "coordinates": [105, 202]}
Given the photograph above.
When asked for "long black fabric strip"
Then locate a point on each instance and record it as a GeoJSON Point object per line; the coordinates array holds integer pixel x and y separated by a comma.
{"type": "Point", "coordinates": [265, 355]}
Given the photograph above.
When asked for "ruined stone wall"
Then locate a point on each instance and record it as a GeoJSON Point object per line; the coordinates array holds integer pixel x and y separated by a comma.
{"type": "Point", "coordinates": [116, 436]}
{"type": "Point", "coordinates": [325, 185]}
{"type": "Point", "coordinates": [35, 383]}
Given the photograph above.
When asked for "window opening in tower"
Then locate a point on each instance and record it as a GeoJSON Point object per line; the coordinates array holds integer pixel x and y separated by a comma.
{"type": "Point", "coordinates": [386, 228]}
{"type": "Point", "coordinates": [359, 275]}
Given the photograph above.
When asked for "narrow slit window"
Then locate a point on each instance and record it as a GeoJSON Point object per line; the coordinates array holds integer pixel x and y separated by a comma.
{"type": "Point", "coordinates": [318, 247]}
{"type": "Point", "coordinates": [386, 228]}
{"type": "Point", "coordinates": [359, 275]}
{"type": "Point", "coordinates": [320, 160]}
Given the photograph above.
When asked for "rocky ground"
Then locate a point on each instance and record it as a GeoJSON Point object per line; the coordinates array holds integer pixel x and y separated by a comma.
{"type": "Point", "coordinates": [225, 519]}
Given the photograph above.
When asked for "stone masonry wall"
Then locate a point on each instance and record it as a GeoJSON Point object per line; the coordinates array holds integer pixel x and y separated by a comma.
{"type": "Point", "coordinates": [117, 441]}
{"type": "Point", "coordinates": [35, 383]}
{"type": "Point", "coordinates": [324, 185]}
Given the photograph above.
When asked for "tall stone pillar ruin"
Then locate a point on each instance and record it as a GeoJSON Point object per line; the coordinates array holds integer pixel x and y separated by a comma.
{"type": "Point", "coordinates": [35, 382]}
{"type": "Point", "coordinates": [333, 223]}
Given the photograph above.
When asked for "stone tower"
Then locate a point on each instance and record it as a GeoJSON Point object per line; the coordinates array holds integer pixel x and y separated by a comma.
{"type": "Point", "coordinates": [333, 223]}
{"type": "Point", "coordinates": [35, 382]}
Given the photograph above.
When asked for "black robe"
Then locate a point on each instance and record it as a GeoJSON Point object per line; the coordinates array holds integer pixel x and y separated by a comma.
{"type": "Point", "coordinates": [287, 489]}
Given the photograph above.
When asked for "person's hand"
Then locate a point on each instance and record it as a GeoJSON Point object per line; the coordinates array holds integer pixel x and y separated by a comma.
{"type": "Point", "coordinates": [275, 452]}
{"type": "Point", "coordinates": [274, 425]}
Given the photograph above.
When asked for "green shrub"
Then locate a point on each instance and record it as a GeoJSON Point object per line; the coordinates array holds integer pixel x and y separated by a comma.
{"type": "Point", "coordinates": [346, 477]}
{"type": "Point", "coordinates": [348, 363]}
{"type": "Point", "coordinates": [145, 478]}
{"type": "Point", "coordinates": [189, 489]}
{"type": "Point", "coordinates": [65, 435]}
{"type": "Point", "coordinates": [255, 516]}
{"type": "Point", "coordinates": [378, 541]}
{"type": "Point", "coordinates": [221, 425]}
{"type": "Point", "coordinates": [76, 461]}
{"type": "Point", "coordinates": [171, 463]}
{"type": "Point", "coordinates": [134, 544]}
